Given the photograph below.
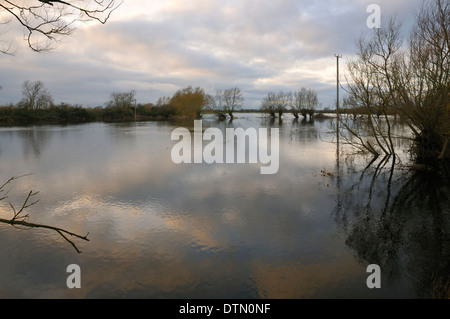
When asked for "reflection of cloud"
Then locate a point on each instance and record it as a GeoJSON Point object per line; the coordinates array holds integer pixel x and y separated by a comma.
{"type": "Point", "coordinates": [5, 211]}
{"type": "Point", "coordinates": [160, 229]}
{"type": "Point", "coordinates": [296, 280]}
{"type": "Point", "coordinates": [202, 234]}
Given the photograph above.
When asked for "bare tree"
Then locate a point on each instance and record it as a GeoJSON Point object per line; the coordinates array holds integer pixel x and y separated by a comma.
{"type": "Point", "coordinates": [269, 104]}
{"type": "Point", "coordinates": [282, 102]}
{"type": "Point", "coordinates": [233, 100]}
{"type": "Point", "coordinates": [412, 82]}
{"type": "Point", "coordinates": [217, 104]}
{"type": "Point", "coordinates": [424, 84]}
{"type": "Point", "coordinates": [123, 100]}
{"type": "Point", "coordinates": [35, 96]}
{"type": "Point", "coordinates": [275, 103]}
{"type": "Point", "coordinates": [304, 102]}
{"type": "Point", "coordinates": [298, 102]}
{"type": "Point", "coordinates": [45, 22]}
{"type": "Point", "coordinates": [312, 102]}
{"type": "Point", "coordinates": [371, 90]}
{"type": "Point", "coordinates": [226, 102]}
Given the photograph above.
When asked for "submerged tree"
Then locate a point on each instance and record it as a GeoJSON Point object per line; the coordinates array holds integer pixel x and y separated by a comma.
{"type": "Point", "coordinates": [269, 104]}
{"type": "Point", "coordinates": [226, 102]}
{"type": "Point", "coordinates": [304, 102]}
{"type": "Point", "coordinates": [45, 22]}
{"type": "Point", "coordinates": [217, 104]}
{"type": "Point", "coordinates": [233, 100]}
{"type": "Point", "coordinates": [413, 83]}
{"type": "Point", "coordinates": [189, 101]}
{"type": "Point", "coordinates": [276, 103]}
{"type": "Point", "coordinates": [424, 84]}
{"type": "Point", "coordinates": [282, 102]}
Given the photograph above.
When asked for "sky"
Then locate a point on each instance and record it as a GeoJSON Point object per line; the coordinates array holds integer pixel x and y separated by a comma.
{"type": "Point", "coordinates": [158, 47]}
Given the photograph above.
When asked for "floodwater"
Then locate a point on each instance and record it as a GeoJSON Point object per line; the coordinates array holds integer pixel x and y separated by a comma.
{"type": "Point", "coordinates": [163, 230]}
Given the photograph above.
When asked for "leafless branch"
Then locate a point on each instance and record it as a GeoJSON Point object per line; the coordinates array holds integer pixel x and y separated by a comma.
{"type": "Point", "coordinates": [60, 231]}
{"type": "Point", "coordinates": [49, 21]}
{"type": "Point", "coordinates": [20, 219]}
{"type": "Point", "coordinates": [411, 82]}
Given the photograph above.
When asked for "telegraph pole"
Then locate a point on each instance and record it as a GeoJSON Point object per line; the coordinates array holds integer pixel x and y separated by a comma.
{"type": "Point", "coordinates": [337, 121]}
{"type": "Point", "coordinates": [337, 97]}
{"type": "Point", "coordinates": [337, 83]}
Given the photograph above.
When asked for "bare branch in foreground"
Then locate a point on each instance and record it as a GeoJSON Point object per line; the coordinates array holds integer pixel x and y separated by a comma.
{"type": "Point", "coordinates": [20, 219]}
{"type": "Point", "coordinates": [48, 21]}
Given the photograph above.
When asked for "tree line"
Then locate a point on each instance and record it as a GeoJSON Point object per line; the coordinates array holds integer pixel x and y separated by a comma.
{"type": "Point", "coordinates": [303, 101]}
{"type": "Point", "coordinates": [37, 105]}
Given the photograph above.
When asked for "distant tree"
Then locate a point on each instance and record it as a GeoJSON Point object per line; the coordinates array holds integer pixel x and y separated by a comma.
{"type": "Point", "coordinates": [122, 100]}
{"type": "Point", "coordinates": [282, 102]}
{"type": "Point", "coordinates": [312, 102]}
{"type": "Point", "coordinates": [276, 103]}
{"type": "Point", "coordinates": [298, 102]}
{"type": "Point", "coordinates": [269, 104]}
{"type": "Point", "coordinates": [165, 100]}
{"type": "Point", "coordinates": [35, 96]}
{"type": "Point", "coordinates": [217, 104]}
{"type": "Point", "coordinates": [189, 101]}
{"type": "Point", "coordinates": [304, 102]}
{"type": "Point", "coordinates": [226, 102]}
{"type": "Point", "coordinates": [45, 22]}
{"type": "Point", "coordinates": [233, 100]}
{"type": "Point", "coordinates": [350, 106]}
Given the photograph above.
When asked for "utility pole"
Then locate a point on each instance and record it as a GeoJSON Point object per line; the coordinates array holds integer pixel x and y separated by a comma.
{"type": "Point", "coordinates": [337, 119]}
{"type": "Point", "coordinates": [337, 83]}
{"type": "Point", "coordinates": [337, 96]}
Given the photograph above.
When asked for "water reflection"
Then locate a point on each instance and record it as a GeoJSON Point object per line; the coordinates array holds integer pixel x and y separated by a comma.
{"type": "Point", "coordinates": [402, 224]}
{"type": "Point", "coordinates": [161, 230]}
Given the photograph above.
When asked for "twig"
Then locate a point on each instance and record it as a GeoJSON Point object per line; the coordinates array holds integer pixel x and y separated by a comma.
{"type": "Point", "coordinates": [19, 219]}
{"type": "Point", "coordinates": [60, 231]}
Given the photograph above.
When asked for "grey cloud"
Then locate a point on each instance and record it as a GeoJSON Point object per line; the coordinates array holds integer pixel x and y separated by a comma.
{"type": "Point", "coordinates": [204, 43]}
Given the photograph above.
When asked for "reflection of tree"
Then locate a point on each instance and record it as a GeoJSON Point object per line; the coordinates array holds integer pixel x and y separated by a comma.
{"type": "Point", "coordinates": [404, 227]}
{"type": "Point", "coordinates": [305, 130]}
{"type": "Point", "coordinates": [19, 219]}
{"type": "Point", "coordinates": [34, 139]}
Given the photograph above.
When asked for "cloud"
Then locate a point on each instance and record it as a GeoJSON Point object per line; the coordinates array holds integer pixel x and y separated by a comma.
{"type": "Point", "coordinates": [161, 46]}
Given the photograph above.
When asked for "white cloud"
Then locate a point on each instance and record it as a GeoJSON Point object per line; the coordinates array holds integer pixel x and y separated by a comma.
{"type": "Point", "coordinates": [156, 47]}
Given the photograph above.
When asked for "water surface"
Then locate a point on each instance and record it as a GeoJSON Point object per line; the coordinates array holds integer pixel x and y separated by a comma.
{"type": "Point", "coordinates": [162, 230]}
